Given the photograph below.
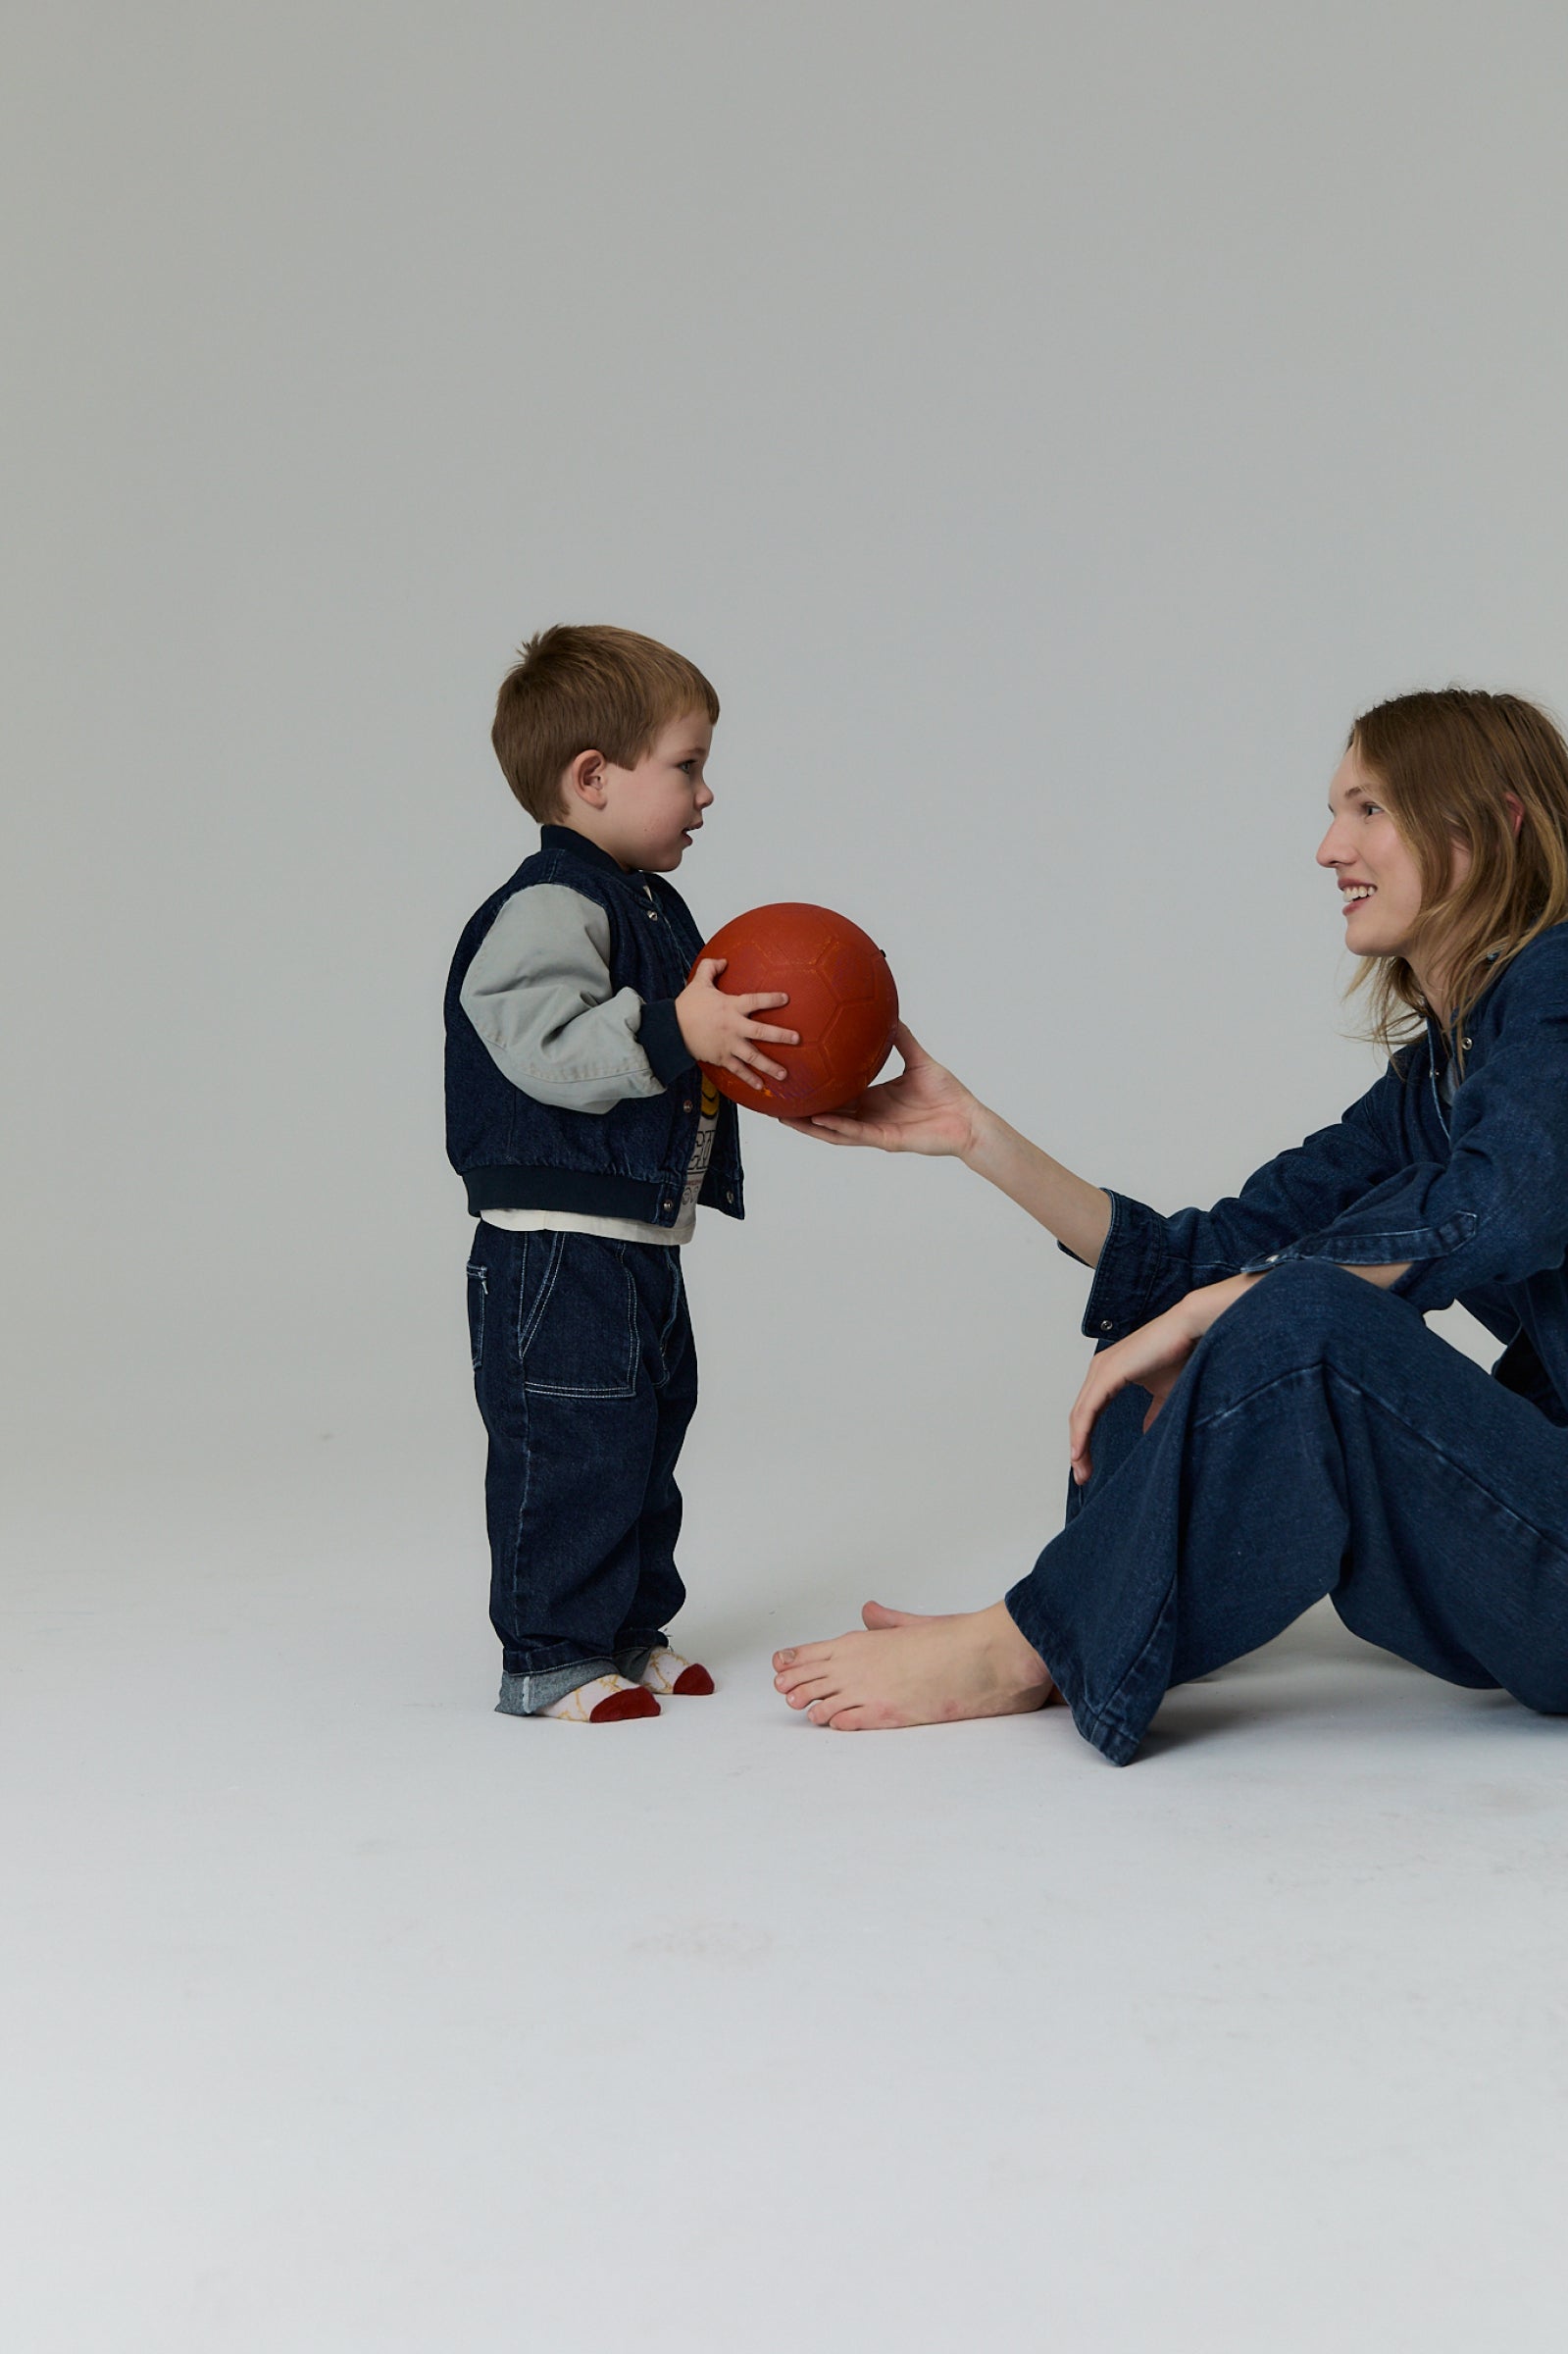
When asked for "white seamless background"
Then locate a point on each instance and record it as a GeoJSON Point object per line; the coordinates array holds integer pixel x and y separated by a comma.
{"type": "Point", "coordinates": [1047, 425]}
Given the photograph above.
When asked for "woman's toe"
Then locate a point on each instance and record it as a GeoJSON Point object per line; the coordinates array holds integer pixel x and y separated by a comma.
{"type": "Point", "coordinates": [816, 1688]}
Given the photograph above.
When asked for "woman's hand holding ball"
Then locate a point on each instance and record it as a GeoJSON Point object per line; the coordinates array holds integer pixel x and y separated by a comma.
{"type": "Point", "coordinates": [924, 1110]}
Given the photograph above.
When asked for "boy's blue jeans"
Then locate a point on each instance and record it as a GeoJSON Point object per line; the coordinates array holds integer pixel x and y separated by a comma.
{"type": "Point", "coordinates": [1320, 1441]}
{"type": "Point", "coordinates": [585, 1373]}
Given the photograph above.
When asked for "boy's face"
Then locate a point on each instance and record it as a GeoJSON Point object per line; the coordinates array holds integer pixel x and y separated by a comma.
{"type": "Point", "coordinates": [649, 813]}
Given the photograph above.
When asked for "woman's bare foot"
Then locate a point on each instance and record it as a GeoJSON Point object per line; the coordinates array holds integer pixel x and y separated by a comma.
{"type": "Point", "coordinates": [878, 1614]}
{"type": "Point", "coordinates": [909, 1670]}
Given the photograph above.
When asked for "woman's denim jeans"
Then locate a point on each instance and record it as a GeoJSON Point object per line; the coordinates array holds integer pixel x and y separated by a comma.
{"type": "Point", "coordinates": [586, 1377]}
{"type": "Point", "coordinates": [1319, 1441]}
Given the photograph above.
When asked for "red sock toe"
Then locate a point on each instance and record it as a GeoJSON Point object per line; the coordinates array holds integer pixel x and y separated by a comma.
{"type": "Point", "coordinates": [635, 1703]}
{"type": "Point", "coordinates": [692, 1680]}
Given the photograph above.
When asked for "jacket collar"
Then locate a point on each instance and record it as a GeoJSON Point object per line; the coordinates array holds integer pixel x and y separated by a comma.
{"type": "Point", "coordinates": [578, 846]}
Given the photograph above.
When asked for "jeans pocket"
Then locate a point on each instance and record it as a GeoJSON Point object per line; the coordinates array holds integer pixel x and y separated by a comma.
{"type": "Point", "coordinates": [578, 1317]}
{"type": "Point", "coordinates": [478, 1292]}
{"type": "Point", "coordinates": [667, 1331]}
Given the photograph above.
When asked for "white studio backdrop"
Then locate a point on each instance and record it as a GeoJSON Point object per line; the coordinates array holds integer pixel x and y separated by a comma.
{"type": "Point", "coordinates": [1047, 425]}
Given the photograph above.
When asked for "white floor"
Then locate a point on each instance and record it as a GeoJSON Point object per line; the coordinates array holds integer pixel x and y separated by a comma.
{"type": "Point", "coordinates": [345, 2013]}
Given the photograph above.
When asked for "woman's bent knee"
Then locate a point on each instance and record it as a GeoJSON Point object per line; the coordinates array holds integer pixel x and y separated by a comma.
{"type": "Point", "coordinates": [1299, 1310]}
{"type": "Point", "coordinates": [1317, 1294]}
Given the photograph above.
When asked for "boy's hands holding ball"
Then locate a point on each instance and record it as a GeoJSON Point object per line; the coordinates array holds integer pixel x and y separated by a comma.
{"type": "Point", "coordinates": [722, 1031]}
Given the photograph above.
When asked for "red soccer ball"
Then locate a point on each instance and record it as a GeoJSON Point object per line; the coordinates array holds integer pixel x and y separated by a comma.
{"type": "Point", "coordinates": [841, 1000]}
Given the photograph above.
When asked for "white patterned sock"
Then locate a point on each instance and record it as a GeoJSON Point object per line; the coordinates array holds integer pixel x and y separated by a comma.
{"type": "Point", "coordinates": [667, 1671]}
{"type": "Point", "coordinates": [607, 1700]}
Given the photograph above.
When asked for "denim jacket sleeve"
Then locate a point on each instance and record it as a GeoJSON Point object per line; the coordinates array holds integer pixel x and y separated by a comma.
{"type": "Point", "coordinates": [1486, 1205]}
{"type": "Point", "coordinates": [1147, 1262]}
{"type": "Point", "coordinates": [1494, 1211]}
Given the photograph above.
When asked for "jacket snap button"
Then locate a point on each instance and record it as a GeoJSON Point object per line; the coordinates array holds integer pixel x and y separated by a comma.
{"type": "Point", "coordinates": [729, 1197]}
{"type": "Point", "coordinates": [669, 1205]}
{"type": "Point", "coordinates": [1106, 1325]}
{"type": "Point", "coordinates": [687, 1105]}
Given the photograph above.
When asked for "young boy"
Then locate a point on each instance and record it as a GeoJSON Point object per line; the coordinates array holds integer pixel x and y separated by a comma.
{"type": "Point", "coordinates": [587, 1136]}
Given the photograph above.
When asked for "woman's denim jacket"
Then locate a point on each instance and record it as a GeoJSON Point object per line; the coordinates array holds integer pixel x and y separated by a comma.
{"type": "Point", "coordinates": [1474, 1193]}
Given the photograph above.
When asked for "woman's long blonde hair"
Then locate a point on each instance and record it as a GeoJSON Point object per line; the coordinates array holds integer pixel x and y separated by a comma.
{"type": "Point", "coordinates": [1447, 762]}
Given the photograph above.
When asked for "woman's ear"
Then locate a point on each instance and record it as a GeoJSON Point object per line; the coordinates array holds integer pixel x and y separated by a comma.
{"type": "Point", "coordinates": [1516, 811]}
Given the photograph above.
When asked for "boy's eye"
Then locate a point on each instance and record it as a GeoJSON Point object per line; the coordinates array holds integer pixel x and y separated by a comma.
{"type": "Point", "coordinates": [686, 766]}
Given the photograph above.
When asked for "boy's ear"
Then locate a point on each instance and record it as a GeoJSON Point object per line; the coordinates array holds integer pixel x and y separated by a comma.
{"type": "Point", "coordinates": [1516, 809]}
{"type": "Point", "coordinates": [584, 781]}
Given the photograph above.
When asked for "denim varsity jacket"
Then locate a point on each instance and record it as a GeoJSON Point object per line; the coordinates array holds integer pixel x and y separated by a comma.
{"type": "Point", "coordinates": [1473, 1193]}
{"type": "Point", "coordinates": [569, 1085]}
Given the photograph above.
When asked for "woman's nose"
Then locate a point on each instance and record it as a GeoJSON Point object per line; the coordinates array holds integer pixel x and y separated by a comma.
{"type": "Point", "coordinates": [1330, 851]}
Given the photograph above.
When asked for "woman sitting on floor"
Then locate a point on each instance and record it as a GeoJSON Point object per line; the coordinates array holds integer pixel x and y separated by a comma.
{"type": "Point", "coordinates": [1268, 1419]}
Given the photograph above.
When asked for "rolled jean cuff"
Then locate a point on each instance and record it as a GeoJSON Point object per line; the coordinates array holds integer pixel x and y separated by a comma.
{"type": "Point", "coordinates": [637, 1644]}
{"type": "Point", "coordinates": [526, 1695]}
{"type": "Point", "coordinates": [1106, 1729]}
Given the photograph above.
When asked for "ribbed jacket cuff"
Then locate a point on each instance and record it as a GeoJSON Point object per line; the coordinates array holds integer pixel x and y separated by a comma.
{"type": "Point", "coordinates": [659, 1035]}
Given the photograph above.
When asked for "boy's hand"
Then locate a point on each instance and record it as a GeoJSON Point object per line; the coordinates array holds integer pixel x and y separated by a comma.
{"type": "Point", "coordinates": [720, 1030]}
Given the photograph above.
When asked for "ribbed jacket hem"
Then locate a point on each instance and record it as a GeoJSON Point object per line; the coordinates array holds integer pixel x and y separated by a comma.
{"type": "Point", "coordinates": [594, 1192]}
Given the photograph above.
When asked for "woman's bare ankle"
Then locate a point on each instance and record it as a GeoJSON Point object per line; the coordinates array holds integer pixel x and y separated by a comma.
{"type": "Point", "coordinates": [1018, 1663]}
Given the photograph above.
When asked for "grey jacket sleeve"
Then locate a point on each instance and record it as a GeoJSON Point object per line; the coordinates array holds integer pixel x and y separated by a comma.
{"type": "Point", "coordinates": [538, 994]}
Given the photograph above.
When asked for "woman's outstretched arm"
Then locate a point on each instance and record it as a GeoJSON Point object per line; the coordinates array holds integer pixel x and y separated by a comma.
{"type": "Point", "coordinates": [1144, 1262]}
{"type": "Point", "coordinates": [1077, 1213]}
{"type": "Point", "coordinates": [926, 1109]}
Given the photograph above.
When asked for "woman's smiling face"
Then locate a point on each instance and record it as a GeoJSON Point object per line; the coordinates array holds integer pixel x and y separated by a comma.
{"type": "Point", "coordinates": [1379, 879]}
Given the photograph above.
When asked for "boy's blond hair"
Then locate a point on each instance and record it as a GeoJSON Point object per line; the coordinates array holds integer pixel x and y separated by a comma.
{"type": "Point", "coordinates": [587, 687]}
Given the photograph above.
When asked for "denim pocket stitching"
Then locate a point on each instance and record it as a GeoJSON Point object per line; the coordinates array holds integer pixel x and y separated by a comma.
{"type": "Point", "coordinates": [628, 1384]}
{"type": "Point", "coordinates": [672, 1319]}
{"type": "Point", "coordinates": [528, 1320]}
{"type": "Point", "coordinates": [476, 1314]}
